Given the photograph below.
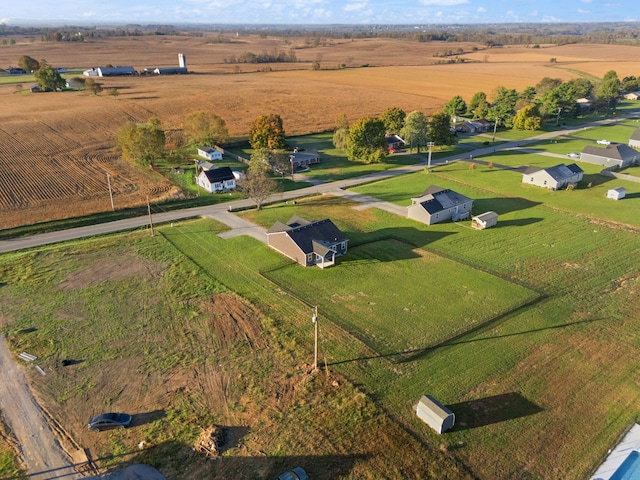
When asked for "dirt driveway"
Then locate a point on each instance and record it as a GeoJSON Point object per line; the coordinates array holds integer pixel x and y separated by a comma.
{"type": "Point", "coordinates": [40, 452]}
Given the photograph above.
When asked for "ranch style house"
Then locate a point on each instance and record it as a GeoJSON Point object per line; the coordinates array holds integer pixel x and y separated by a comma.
{"type": "Point", "coordinates": [553, 178]}
{"type": "Point", "coordinates": [634, 140]}
{"type": "Point", "coordinates": [309, 243]}
{"type": "Point", "coordinates": [438, 204]}
{"type": "Point", "coordinates": [613, 155]}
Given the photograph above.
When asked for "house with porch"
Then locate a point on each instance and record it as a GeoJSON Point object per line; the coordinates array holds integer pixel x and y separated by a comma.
{"type": "Point", "coordinates": [437, 205]}
{"type": "Point", "coordinates": [613, 155]}
{"type": "Point", "coordinates": [217, 180]}
{"type": "Point", "coordinates": [309, 243]}
{"type": "Point", "coordinates": [554, 178]}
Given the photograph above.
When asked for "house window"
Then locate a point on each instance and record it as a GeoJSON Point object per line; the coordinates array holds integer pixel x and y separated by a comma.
{"type": "Point", "coordinates": [545, 182]}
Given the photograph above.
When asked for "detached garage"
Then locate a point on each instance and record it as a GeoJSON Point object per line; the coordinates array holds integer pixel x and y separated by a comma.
{"type": "Point", "coordinates": [434, 414]}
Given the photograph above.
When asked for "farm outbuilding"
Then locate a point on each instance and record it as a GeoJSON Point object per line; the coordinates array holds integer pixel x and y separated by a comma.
{"type": "Point", "coordinates": [434, 414]}
{"type": "Point", "coordinates": [617, 193]}
{"type": "Point", "coordinates": [484, 220]}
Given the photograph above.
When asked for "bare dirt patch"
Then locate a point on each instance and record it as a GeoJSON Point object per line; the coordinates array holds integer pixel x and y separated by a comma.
{"type": "Point", "coordinates": [109, 269]}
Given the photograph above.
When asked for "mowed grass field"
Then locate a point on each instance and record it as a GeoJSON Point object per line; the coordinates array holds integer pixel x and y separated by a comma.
{"type": "Point", "coordinates": [71, 134]}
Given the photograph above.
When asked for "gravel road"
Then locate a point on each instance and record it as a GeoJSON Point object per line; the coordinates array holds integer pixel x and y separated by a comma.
{"type": "Point", "coordinates": [40, 452]}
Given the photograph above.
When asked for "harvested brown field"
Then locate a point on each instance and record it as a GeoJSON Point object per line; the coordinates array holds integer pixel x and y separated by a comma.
{"type": "Point", "coordinates": [56, 149]}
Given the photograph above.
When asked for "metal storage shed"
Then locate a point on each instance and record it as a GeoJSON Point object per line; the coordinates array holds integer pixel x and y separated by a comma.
{"type": "Point", "coordinates": [484, 220]}
{"type": "Point", "coordinates": [434, 414]}
{"type": "Point", "coordinates": [617, 193]}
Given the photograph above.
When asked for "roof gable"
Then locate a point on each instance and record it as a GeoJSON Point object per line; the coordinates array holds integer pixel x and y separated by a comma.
{"type": "Point", "coordinates": [221, 174]}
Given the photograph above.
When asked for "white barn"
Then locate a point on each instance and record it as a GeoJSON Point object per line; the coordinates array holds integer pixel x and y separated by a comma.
{"type": "Point", "coordinates": [434, 414]}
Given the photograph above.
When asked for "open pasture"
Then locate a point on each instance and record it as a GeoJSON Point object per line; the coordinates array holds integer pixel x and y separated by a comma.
{"type": "Point", "coordinates": [419, 312]}
{"type": "Point", "coordinates": [540, 382]}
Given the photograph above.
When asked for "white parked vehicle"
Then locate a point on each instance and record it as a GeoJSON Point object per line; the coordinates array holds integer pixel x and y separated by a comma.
{"type": "Point", "coordinates": [603, 142]}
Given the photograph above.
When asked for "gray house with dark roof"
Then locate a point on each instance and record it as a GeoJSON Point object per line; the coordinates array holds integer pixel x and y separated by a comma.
{"type": "Point", "coordinates": [553, 178]}
{"type": "Point", "coordinates": [309, 243]}
{"type": "Point", "coordinates": [438, 204]}
{"type": "Point", "coordinates": [613, 155]}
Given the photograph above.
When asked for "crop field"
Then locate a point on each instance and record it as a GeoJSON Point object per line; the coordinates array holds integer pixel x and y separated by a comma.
{"type": "Point", "coordinates": [56, 149]}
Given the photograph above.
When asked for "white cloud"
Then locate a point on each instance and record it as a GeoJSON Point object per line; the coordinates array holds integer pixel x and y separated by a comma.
{"type": "Point", "coordinates": [481, 10]}
{"type": "Point", "coordinates": [355, 7]}
{"type": "Point", "coordinates": [580, 10]}
{"type": "Point", "coordinates": [443, 3]}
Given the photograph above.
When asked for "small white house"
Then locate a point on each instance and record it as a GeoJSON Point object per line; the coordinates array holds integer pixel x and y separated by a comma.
{"type": "Point", "coordinates": [209, 153]}
{"type": "Point", "coordinates": [434, 414]}
{"type": "Point", "coordinates": [617, 193]}
{"type": "Point", "coordinates": [217, 180]}
{"type": "Point", "coordinates": [484, 220]}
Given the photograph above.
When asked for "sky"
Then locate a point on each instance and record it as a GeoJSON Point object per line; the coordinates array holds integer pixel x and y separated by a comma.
{"type": "Point", "coordinates": [296, 12]}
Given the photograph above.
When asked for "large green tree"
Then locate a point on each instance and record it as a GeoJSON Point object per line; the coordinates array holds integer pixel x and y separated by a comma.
{"type": "Point", "coordinates": [415, 131]}
{"type": "Point", "coordinates": [206, 128]}
{"type": "Point", "coordinates": [267, 131]}
{"type": "Point", "coordinates": [456, 106]}
{"type": "Point", "coordinates": [49, 78]}
{"type": "Point", "coordinates": [141, 143]}
{"type": "Point", "coordinates": [367, 141]}
{"type": "Point", "coordinates": [503, 106]}
{"type": "Point", "coordinates": [393, 119]}
{"type": "Point", "coordinates": [440, 129]}
{"type": "Point", "coordinates": [608, 91]}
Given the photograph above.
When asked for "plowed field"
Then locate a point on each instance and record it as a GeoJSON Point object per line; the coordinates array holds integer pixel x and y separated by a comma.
{"type": "Point", "coordinates": [56, 149]}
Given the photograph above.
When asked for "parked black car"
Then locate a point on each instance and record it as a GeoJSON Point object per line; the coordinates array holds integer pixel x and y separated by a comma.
{"type": "Point", "coordinates": [107, 421]}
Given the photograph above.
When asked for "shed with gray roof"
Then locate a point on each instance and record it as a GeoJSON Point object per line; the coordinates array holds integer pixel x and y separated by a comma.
{"type": "Point", "coordinates": [434, 414]}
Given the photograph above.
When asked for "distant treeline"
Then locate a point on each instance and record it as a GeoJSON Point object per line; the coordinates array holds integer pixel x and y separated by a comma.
{"type": "Point", "coordinates": [273, 57]}
{"type": "Point", "coordinates": [487, 34]}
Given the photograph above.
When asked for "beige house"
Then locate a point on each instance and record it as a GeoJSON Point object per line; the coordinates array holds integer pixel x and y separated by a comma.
{"type": "Point", "coordinates": [553, 178]}
{"type": "Point", "coordinates": [634, 140]}
{"type": "Point", "coordinates": [613, 155]}
{"type": "Point", "coordinates": [309, 243]}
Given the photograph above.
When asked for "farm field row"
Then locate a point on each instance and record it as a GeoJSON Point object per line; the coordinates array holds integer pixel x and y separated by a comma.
{"type": "Point", "coordinates": [64, 133]}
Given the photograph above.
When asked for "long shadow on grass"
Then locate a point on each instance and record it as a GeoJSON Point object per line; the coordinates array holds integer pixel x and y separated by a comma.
{"type": "Point", "coordinates": [171, 457]}
{"type": "Point", "coordinates": [418, 353]}
{"type": "Point", "coordinates": [494, 409]}
{"type": "Point", "coordinates": [147, 417]}
{"type": "Point", "coordinates": [503, 205]}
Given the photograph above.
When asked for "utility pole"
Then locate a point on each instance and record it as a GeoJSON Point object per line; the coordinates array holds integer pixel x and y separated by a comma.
{"type": "Point", "coordinates": [196, 177]}
{"type": "Point", "coordinates": [314, 319]}
{"type": "Point", "coordinates": [495, 127]}
{"type": "Point", "coordinates": [149, 211]}
{"type": "Point", "coordinates": [110, 192]}
{"type": "Point", "coordinates": [430, 145]}
{"type": "Point", "coordinates": [558, 118]}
